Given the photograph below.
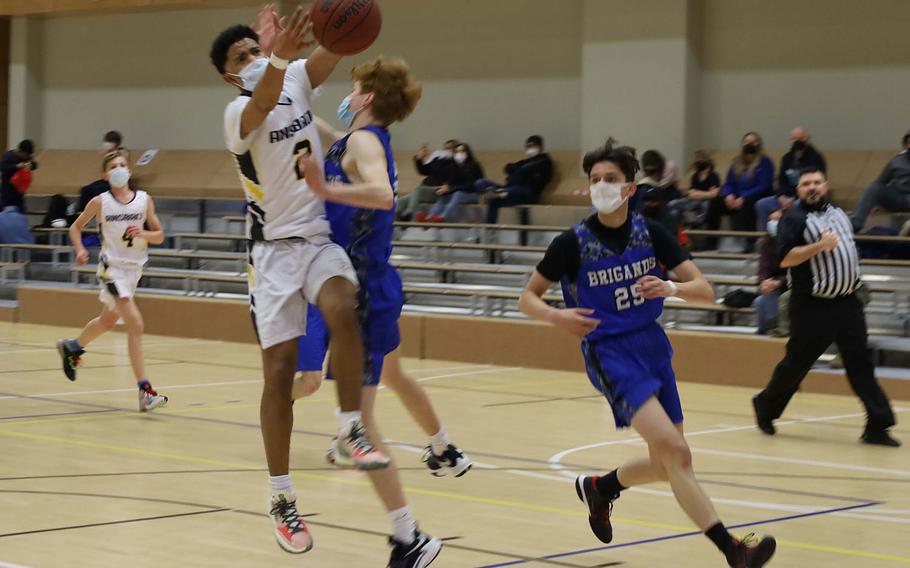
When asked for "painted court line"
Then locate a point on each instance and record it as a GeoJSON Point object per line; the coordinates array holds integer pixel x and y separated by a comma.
{"type": "Point", "coordinates": [484, 369]}
{"type": "Point", "coordinates": [9, 565]}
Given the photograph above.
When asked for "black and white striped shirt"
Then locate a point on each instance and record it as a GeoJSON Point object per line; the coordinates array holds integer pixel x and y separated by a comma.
{"type": "Point", "coordinates": [828, 274]}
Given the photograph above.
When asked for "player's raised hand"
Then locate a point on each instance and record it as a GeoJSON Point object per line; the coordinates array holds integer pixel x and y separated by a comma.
{"type": "Point", "coordinates": [576, 321]}
{"type": "Point", "coordinates": [652, 287]}
{"type": "Point", "coordinates": [266, 25]}
{"type": "Point", "coordinates": [291, 38]}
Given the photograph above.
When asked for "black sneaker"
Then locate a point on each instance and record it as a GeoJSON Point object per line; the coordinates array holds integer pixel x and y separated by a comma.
{"type": "Point", "coordinates": [879, 438]}
{"type": "Point", "coordinates": [421, 552]}
{"type": "Point", "coordinates": [765, 424]}
{"type": "Point", "coordinates": [747, 554]}
{"type": "Point", "coordinates": [71, 359]}
{"type": "Point", "coordinates": [452, 460]}
{"type": "Point", "coordinates": [599, 509]}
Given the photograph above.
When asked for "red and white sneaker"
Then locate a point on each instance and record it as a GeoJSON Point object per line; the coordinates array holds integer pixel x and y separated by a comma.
{"type": "Point", "coordinates": [291, 532]}
{"type": "Point", "coordinates": [149, 399]}
{"type": "Point", "coordinates": [354, 450]}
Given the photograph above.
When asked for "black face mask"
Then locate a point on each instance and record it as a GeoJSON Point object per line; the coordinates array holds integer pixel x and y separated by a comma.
{"type": "Point", "coordinates": [800, 145]}
{"type": "Point", "coordinates": [750, 149]}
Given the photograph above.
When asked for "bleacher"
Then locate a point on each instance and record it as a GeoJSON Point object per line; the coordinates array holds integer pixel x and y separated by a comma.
{"type": "Point", "coordinates": [454, 269]}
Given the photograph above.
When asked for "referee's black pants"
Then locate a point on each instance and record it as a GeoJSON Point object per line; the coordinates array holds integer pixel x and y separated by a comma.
{"type": "Point", "coordinates": [816, 323]}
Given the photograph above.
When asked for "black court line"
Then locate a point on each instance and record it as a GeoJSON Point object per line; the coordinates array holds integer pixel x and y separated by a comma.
{"type": "Point", "coordinates": [120, 522]}
{"type": "Point", "coordinates": [56, 414]}
{"type": "Point", "coordinates": [88, 367]}
{"type": "Point", "coordinates": [806, 476]}
{"type": "Point", "coordinates": [554, 399]}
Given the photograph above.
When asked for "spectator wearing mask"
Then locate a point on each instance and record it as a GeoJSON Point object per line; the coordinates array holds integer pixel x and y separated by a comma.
{"type": "Point", "coordinates": [436, 167]}
{"type": "Point", "coordinates": [461, 187]}
{"type": "Point", "coordinates": [525, 180]}
{"type": "Point", "coordinates": [891, 190]}
{"type": "Point", "coordinates": [802, 155]}
{"type": "Point", "coordinates": [772, 279]}
{"type": "Point", "coordinates": [658, 189]}
{"type": "Point", "coordinates": [704, 187]}
{"type": "Point", "coordinates": [14, 227]}
{"type": "Point", "coordinates": [15, 174]}
{"type": "Point", "coordinates": [750, 178]}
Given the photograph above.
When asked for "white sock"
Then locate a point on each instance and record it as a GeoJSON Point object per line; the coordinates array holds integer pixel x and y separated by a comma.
{"type": "Point", "coordinates": [280, 484]}
{"type": "Point", "coordinates": [345, 418]}
{"type": "Point", "coordinates": [439, 442]}
{"type": "Point", "coordinates": [403, 525]}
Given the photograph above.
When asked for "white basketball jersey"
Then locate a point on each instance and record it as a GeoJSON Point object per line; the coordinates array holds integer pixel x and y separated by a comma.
{"type": "Point", "coordinates": [116, 248]}
{"type": "Point", "coordinates": [280, 205]}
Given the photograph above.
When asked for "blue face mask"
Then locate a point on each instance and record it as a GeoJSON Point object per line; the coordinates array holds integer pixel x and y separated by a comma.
{"type": "Point", "coordinates": [345, 114]}
{"type": "Point", "coordinates": [252, 73]}
{"type": "Point", "coordinates": [772, 227]}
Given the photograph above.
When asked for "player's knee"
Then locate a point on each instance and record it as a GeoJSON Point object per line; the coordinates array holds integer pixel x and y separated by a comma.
{"type": "Point", "coordinates": [338, 307]}
{"type": "Point", "coordinates": [674, 454]}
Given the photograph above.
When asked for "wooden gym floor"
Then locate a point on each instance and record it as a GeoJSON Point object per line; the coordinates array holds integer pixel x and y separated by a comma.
{"type": "Point", "coordinates": [86, 480]}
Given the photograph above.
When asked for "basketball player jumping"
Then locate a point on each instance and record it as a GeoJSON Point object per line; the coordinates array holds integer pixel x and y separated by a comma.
{"type": "Point", "coordinates": [359, 187]}
{"type": "Point", "coordinates": [292, 260]}
{"type": "Point", "coordinates": [122, 214]}
{"type": "Point", "coordinates": [611, 270]}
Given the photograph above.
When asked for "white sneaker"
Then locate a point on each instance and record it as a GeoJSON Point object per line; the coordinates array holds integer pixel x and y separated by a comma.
{"type": "Point", "coordinates": [150, 400]}
{"type": "Point", "coordinates": [452, 461]}
{"type": "Point", "coordinates": [353, 449]}
{"type": "Point", "coordinates": [291, 532]}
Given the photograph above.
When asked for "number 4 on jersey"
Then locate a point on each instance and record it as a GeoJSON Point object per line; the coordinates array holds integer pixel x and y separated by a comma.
{"type": "Point", "coordinates": [127, 238]}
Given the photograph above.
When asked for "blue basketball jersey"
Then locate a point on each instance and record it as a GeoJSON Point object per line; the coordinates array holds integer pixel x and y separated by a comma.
{"type": "Point", "coordinates": [366, 234]}
{"type": "Point", "coordinates": [606, 281]}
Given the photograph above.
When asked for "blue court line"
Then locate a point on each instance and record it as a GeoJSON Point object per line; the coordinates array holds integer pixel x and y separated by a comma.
{"type": "Point", "coordinates": [681, 535]}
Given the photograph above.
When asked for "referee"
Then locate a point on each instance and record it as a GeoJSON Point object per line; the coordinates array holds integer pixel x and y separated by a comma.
{"type": "Point", "coordinates": [816, 245]}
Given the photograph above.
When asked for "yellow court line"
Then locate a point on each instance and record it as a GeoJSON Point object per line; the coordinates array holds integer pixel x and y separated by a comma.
{"type": "Point", "coordinates": [432, 493]}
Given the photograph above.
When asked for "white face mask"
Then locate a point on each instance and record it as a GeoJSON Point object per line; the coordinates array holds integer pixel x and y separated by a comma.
{"type": "Point", "coordinates": [118, 177]}
{"type": "Point", "coordinates": [252, 73]}
{"type": "Point", "coordinates": [607, 197]}
{"type": "Point", "coordinates": [532, 151]}
{"type": "Point", "coordinates": [460, 157]}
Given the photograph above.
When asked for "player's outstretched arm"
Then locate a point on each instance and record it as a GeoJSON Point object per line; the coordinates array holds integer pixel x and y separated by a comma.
{"type": "Point", "coordinates": [92, 210]}
{"type": "Point", "coordinates": [374, 191]}
{"type": "Point", "coordinates": [692, 286]}
{"type": "Point", "coordinates": [320, 65]}
{"type": "Point", "coordinates": [572, 320]}
{"type": "Point", "coordinates": [289, 41]}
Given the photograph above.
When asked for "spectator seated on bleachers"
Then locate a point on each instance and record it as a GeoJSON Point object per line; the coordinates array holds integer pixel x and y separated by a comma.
{"type": "Point", "coordinates": [704, 186]}
{"type": "Point", "coordinates": [15, 174]}
{"type": "Point", "coordinates": [750, 177]}
{"type": "Point", "coordinates": [525, 180]}
{"type": "Point", "coordinates": [436, 167]}
{"type": "Point", "coordinates": [14, 227]}
{"type": "Point", "coordinates": [802, 154]}
{"type": "Point", "coordinates": [657, 189]}
{"type": "Point", "coordinates": [891, 191]}
{"type": "Point", "coordinates": [772, 279]}
{"type": "Point", "coordinates": [459, 190]}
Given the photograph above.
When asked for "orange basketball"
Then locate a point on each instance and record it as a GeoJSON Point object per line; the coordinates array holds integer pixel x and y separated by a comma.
{"type": "Point", "coordinates": [346, 27]}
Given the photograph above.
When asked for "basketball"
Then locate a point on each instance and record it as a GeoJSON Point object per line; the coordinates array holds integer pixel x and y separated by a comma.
{"type": "Point", "coordinates": [346, 27]}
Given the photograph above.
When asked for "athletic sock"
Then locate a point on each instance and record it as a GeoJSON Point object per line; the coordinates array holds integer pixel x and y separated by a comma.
{"type": "Point", "coordinates": [144, 385]}
{"type": "Point", "coordinates": [345, 418]}
{"type": "Point", "coordinates": [72, 345]}
{"type": "Point", "coordinates": [403, 525]}
{"type": "Point", "coordinates": [280, 483]}
{"type": "Point", "coordinates": [439, 442]}
{"type": "Point", "coordinates": [609, 485]}
{"type": "Point", "coordinates": [720, 537]}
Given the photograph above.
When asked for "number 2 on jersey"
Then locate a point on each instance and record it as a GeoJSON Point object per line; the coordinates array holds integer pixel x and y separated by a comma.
{"type": "Point", "coordinates": [301, 147]}
{"type": "Point", "coordinates": [628, 297]}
